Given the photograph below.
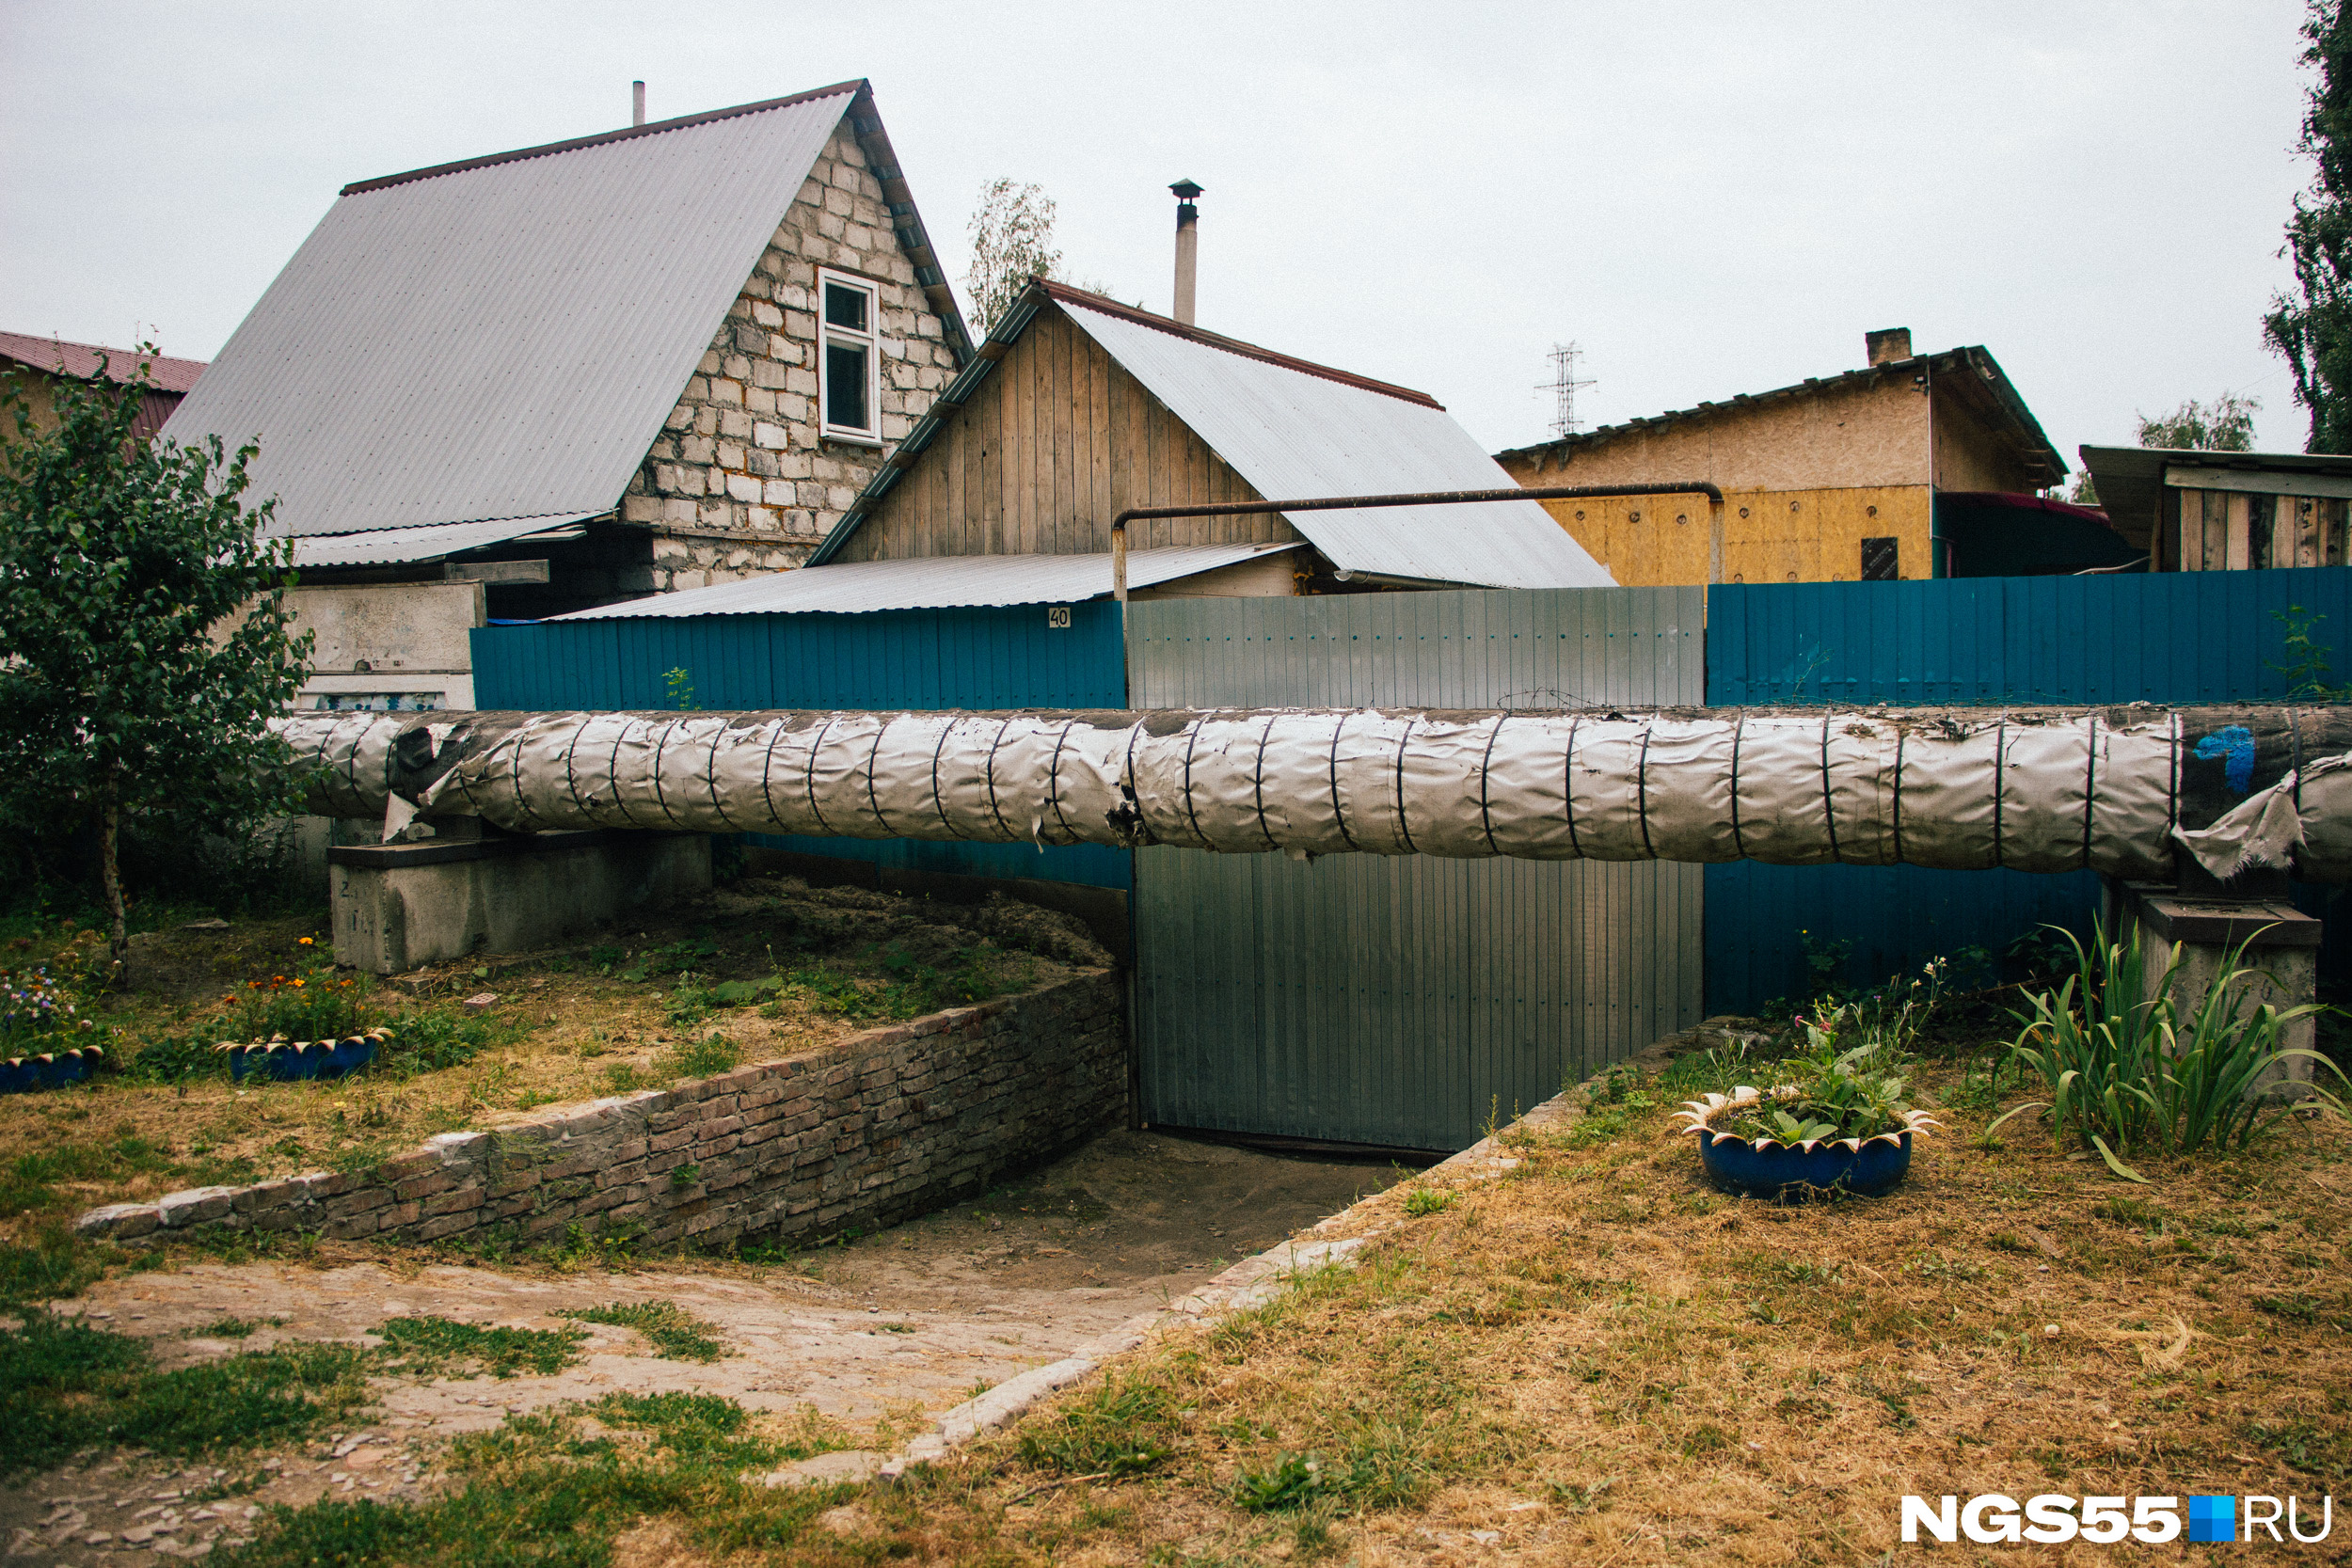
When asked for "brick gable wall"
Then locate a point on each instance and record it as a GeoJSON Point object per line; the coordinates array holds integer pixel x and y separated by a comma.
{"type": "Point", "coordinates": [740, 482]}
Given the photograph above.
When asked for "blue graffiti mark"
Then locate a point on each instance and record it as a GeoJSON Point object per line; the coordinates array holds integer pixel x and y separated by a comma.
{"type": "Point", "coordinates": [2235, 743]}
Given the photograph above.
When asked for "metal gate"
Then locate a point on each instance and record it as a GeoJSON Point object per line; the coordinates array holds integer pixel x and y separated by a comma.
{"type": "Point", "coordinates": [1405, 1002]}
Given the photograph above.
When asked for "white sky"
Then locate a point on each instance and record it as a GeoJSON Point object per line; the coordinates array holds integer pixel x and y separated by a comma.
{"type": "Point", "coordinates": [1712, 197]}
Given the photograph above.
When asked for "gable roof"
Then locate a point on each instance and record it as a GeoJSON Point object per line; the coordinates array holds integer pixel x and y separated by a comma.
{"type": "Point", "coordinates": [80, 360]}
{"type": "Point", "coordinates": [499, 341]}
{"type": "Point", "coordinates": [1293, 429]}
{"type": "Point", "coordinates": [2000, 401]}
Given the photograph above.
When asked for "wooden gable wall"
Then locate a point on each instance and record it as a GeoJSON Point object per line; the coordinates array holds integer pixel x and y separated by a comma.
{"type": "Point", "coordinates": [1054, 444]}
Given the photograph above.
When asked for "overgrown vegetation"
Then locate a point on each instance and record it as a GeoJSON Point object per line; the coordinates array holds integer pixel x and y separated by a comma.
{"type": "Point", "coordinates": [2127, 1068]}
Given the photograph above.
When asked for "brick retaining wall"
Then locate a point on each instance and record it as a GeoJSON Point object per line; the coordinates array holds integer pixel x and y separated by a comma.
{"type": "Point", "coordinates": [868, 1130]}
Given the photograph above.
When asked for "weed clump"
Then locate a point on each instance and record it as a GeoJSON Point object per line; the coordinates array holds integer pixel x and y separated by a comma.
{"type": "Point", "coordinates": [1122, 1427]}
{"type": "Point", "coordinates": [674, 1332]}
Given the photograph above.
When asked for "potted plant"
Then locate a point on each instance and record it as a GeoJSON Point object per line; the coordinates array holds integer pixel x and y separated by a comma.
{"type": "Point", "coordinates": [1836, 1123]}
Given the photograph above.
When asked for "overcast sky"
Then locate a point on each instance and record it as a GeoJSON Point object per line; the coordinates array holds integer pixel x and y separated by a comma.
{"type": "Point", "coordinates": [1712, 198]}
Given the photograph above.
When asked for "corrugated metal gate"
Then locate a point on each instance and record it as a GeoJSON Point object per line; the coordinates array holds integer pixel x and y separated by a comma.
{"type": "Point", "coordinates": [1402, 1002]}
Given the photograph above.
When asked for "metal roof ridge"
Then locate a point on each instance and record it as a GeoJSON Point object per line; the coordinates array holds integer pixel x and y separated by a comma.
{"type": "Point", "coordinates": [854, 85]}
{"type": "Point", "coordinates": [1064, 293]}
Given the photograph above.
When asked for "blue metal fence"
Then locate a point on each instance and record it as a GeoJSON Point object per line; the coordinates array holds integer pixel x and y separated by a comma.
{"type": "Point", "coordinates": [2166, 637]}
{"type": "Point", "coordinates": [2197, 637]}
{"type": "Point", "coordinates": [978, 658]}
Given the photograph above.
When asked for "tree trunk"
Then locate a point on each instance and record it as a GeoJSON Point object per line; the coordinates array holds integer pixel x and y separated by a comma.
{"type": "Point", "coordinates": [110, 873]}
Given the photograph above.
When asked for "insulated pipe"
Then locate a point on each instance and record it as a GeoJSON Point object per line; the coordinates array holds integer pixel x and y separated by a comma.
{"type": "Point", "coordinates": [2049, 789]}
{"type": "Point", "coordinates": [1434, 497]}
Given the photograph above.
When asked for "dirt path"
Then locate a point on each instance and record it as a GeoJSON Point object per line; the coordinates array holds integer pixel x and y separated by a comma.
{"type": "Point", "coordinates": [913, 1319]}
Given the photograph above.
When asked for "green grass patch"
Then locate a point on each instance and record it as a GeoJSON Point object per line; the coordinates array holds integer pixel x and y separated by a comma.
{"type": "Point", "coordinates": [65, 1386]}
{"type": "Point", "coordinates": [674, 1332]}
{"type": "Point", "coordinates": [442, 1344]}
{"type": "Point", "coordinates": [555, 1488]}
{"type": "Point", "coordinates": [1121, 1427]}
{"type": "Point", "coordinates": [230, 1329]}
{"type": "Point", "coordinates": [702, 1058]}
{"type": "Point", "coordinates": [56, 1263]}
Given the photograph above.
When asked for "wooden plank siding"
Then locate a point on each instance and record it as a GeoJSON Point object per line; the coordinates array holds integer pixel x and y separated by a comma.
{"type": "Point", "coordinates": [1057, 441]}
{"type": "Point", "coordinates": [2228, 531]}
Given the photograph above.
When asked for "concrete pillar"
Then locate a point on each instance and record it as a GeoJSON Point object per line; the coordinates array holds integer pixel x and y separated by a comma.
{"type": "Point", "coordinates": [397, 906]}
{"type": "Point", "coordinates": [2281, 940]}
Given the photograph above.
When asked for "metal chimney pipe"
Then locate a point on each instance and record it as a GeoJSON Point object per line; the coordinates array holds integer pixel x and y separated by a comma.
{"type": "Point", "coordinates": [1188, 248]}
{"type": "Point", "coordinates": [637, 102]}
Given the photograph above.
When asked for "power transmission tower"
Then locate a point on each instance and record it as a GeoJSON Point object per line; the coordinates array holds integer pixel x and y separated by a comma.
{"type": "Point", "coordinates": [1564, 385]}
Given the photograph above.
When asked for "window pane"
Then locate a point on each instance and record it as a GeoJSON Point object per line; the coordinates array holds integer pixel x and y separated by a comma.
{"type": "Point", "coordinates": [845, 307]}
{"type": "Point", "coordinates": [845, 387]}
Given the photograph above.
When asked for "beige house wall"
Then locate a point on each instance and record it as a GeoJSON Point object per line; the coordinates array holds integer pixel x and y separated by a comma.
{"type": "Point", "coordinates": [1837, 438]}
{"type": "Point", "coordinates": [1659, 541]}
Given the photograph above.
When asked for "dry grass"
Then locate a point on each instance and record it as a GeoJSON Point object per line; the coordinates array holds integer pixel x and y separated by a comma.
{"type": "Point", "coordinates": [1597, 1359]}
{"type": "Point", "coordinates": [566, 1027]}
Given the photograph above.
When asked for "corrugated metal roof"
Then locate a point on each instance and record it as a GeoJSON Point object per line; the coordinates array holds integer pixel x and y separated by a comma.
{"type": "Point", "coordinates": [165, 374]}
{"type": "Point", "coordinates": [503, 339]}
{"type": "Point", "coordinates": [1292, 433]}
{"type": "Point", "coordinates": [930, 582]}
{"type": "Point", "coordinates": [384, 546]}
{"type": "Point", "coordinates": [1295, 429]}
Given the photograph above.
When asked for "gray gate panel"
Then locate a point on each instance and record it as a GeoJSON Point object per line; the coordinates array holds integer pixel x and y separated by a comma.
{"type": "Point", "coordinates": [1402, 1002]}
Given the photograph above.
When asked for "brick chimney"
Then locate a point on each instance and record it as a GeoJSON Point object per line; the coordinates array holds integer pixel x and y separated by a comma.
{"type": "Point", "coordinates": [1888, 346]}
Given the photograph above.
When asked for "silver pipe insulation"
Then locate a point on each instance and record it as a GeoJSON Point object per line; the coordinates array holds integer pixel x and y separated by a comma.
{"type": "Point", "coordinates": [2049, 789]}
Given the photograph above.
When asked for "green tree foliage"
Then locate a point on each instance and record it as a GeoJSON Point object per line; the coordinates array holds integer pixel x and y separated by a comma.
{"type": "Point", "coordinates": [2225, 424]}
{"type": "Point", "coordinates": [2311, 325]}
{"type": "Point", "coordinates": [144, 630]}
{"type": "Point", "coordinates": [1012, 241]}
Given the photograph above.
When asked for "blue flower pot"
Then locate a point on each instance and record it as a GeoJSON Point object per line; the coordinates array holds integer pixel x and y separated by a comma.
{"type": "Point", "coordinates": [1773, 1169]}
{"type": "Point", "coordinates": [54, 1071]}
{"type": "Point", "coordinates": [306, 1059]}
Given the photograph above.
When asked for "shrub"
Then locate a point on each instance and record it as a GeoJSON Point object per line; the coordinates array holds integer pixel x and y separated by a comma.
{"type": "Point", "coordinates": [2127, 1071]}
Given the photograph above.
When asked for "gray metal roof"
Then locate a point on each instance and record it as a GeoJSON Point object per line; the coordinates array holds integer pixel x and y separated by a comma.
{"type": "Point", "coordinates": [1290, 432]}
{"type": "Point", "coordinates": [502, 338]}
{"type": "Point", "coordinates": [1292, 428]}
{"type": "Point", "coordinates": [930, 582]}
{"type": "Point", "coordinates": [429, 543]}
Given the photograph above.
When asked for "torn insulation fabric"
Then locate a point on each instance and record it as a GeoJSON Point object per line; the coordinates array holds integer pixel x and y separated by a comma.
{"type": "Point", "coordinates": [2108, 789]}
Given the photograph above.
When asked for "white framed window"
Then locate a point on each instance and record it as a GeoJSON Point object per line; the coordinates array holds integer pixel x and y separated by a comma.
{"type": "Point", "coordinates": [848, 356]}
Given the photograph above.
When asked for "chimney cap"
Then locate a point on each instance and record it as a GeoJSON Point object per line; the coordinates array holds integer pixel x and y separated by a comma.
{"type": "Point", "coordinates": [1889, 346]}
{"type": "Point", "coordinates": [1186, 190]}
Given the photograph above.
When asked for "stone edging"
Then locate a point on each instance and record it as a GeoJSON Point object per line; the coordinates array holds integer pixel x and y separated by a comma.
{"type": "Point", "coordinates": [1254, 1281]}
